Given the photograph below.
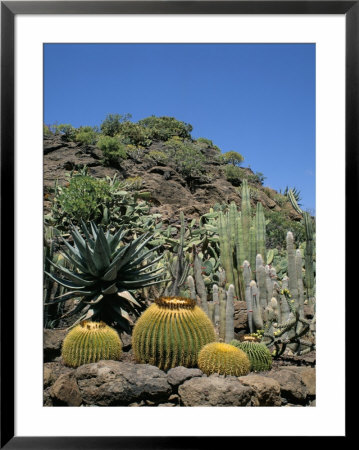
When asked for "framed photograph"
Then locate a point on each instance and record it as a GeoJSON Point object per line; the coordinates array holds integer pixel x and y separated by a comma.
{"type": "Point", "coordinates": [175, 185]}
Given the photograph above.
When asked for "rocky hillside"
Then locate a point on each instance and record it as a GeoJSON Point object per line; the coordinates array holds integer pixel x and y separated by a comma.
{"type": "Point", "coordinates": [170, 191]}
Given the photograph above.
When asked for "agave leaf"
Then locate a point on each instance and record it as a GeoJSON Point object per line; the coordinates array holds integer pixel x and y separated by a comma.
{"type": "Point", "coordinates": [143, 257]}
{"type": "Point", "coordinates": [116, 239]}
{"type": "Point", "coordinates": [151, 263]}
{"type": "Point", "coordinates": [89, 314]}
{"type": "Point", "coordinates": [101, 236]}
{"type": "Point", "coordinates": [100, 256]}
{"type": "Point", "coordinates": [135, 284]}
{"type": "Point", "coordinates": [64, 297]}
{"type": "Point", "coordinates": [119, 311]}
{"type": "Point", "coordinates": [71, 275]}
{"type": "Point", "coordinates": [120, 320]}
{"type": "Point", "coordinates": [90, 263]}
{"type": "Point", "coordinates": [94, 230]}
{"type": "Point", "coordinates": [74, 251]}
{"type": "Point", "coordinates": [87, 233]}
{"type": "Point", "coordinates": [129, 297]}
{"type": "Point", "coordinates": [94, 302]}
{"type": "Point", "coordinates": [126, 316]}
{"type": "Point", "coordinates": [78, 240]}
{"type": "Point", "coordinates": [79, 307]}
{"type": "Point", "coordinates": [110, 275]}
{"type": "Point", "coordinates": [65, 283]}
{"type": "Point", "coordinates": [112, 289]}
{"type": "Point", "coordinates": [137, 274]}
{"type": "Point", "coordinates": [75, 262]}
{"type": "Point", "coordinates": [131, 254]}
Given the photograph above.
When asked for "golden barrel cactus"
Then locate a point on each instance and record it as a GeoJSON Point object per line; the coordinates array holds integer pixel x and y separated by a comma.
{"type": "Point", "coordinates": [90, 342]}
{"type": "Point", "coordinates": [224, 359]}
{"type": "Point", "coordinates": [171, 332]}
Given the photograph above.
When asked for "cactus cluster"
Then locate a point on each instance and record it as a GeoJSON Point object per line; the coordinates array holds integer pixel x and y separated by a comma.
{"type": "Point", "coordinates": [224, 359]}
{"type": "Point", "coordinates": [171, 332]}
{"type": "Point", "coordinates": [258, 354]}
{"type": "Point", "coordinates": [90, 342]}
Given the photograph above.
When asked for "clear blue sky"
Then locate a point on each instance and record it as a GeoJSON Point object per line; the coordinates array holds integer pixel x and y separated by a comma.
{"type": "Point", "coordinates": [257, 99]}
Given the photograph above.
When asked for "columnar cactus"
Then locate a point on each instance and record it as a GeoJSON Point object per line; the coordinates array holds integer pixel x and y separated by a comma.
{"type": "Point", "coordinates": [90, 342]}
{"type": "Point", "coordinates": [261, 231]}
{"type": "Point", "coordinates": [223, 359]}
{"type": "Point", "coordinates": [298, 264]}
{"type": "Point", "coordinates": [247, 277]}
{"type": "Point", "coordinates": [230, 314]}
{"type": "Point", "coordinates": [309, 252]}
{"type": "Point", "coordinates": [245, 218]}
{"type": "Point", "coordinates": [257, 309]}
{"type": "Point", "coordinates": [171, 332]}
{"type": "Point", "coordinates": [292, 270]}
{"type": "Point", "coordinates": [258, 354]}
{"type": "Point", "coordinates": [261, 281]}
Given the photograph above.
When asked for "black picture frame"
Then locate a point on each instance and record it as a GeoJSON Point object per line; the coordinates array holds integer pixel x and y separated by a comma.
{"type": "Point", "coordinates": [9, 9]}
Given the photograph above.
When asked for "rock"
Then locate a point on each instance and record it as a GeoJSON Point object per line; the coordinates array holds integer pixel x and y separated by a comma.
{"type": "Point", "coordinates": [52, 371]}
{"type": "Point", "coordinates": [170, 191]}
{"type": "Point", "coordinates": [166, 404]}
{"type": "Point", "coordinates": [52, 343]}
{"type": "Point", "coordinates": [267, 390]}
{"type": "Point", "coordinates": [308, 377]}
{"type": "Point", "coordinates": [179, 375]}
{"type": "Point", "coordinates": [240, 317]}
{"type": "Point", "coordinates": [291, 385]}
{"type": "Point", "coordinates": [215, 391]}
{"type": "Point", "coordinates": [114, 383]}
{"type": "Point", "coordinates": [174, 398]}
{"type": "Point", "coordinates": [65, 391]}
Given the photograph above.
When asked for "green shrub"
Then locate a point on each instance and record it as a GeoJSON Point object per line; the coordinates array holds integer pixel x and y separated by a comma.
{"type": "Point", "coordinates": [158, 156]}
{"type": "Point", "coordinates": [67, 131]}
{"type": "Point", "coordinates": [47, 131]}
{"type": "Point", "coordinates": [278, 226]}
{"type": "Point", "coordinates": [86, 136]}
{"type": "Point", "coordinates": [112, 123]}
{"type": "Point", "coordinates": [233, 158]}
{"type": "Point", "coordinates": [134, 134]}
{"type": "Point", "coordinates": [83, 198]}
{"type": "Point", "coordinates": [163, 128]}
{"type": "Point", "coordinates": [186, 157]}
{"type": "Point", "coordinates": [205, 141]}
{"type": "Point", "coordinates": [112, 149]}
{"type": "Point", "coordinates": [233, 174]}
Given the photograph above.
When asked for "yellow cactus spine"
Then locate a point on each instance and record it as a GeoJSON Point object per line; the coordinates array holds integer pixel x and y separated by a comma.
{"type": "Point", "coordinates": [171, 332]}
{"type": "Point", "coordinates": [224, 359]}
{"type": "Point", "coordinates": [90, 342]}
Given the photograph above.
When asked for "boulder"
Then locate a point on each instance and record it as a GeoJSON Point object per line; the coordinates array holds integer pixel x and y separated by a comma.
{"type": "Point", "coordinates": [114, 383]}
{"type": "Point", "coordinates": [179, 375]}
{"type": "Point", "coordinates": [308, 377]}
{"type": "Point", "coordinates": [266, 390]}
{"type": "Point", "coordinates": [52, 343]}
{"type": "Point", "coordinates": [65, 391]}
{"type": "Point", "coordinates": [215, 391]}
{"type": "Point", "coordinates": [291, 385]}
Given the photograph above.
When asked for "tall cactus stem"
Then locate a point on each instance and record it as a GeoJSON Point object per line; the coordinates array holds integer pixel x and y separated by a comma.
{"type": "Point", "coordinates": [230, 315]}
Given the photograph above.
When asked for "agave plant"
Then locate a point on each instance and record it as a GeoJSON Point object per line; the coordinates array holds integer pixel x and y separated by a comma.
{"type": "Point", "coordinates": [105, 269]}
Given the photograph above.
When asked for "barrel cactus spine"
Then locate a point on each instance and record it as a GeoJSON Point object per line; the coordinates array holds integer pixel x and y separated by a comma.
{"type": "Point", "coordinates": [224, 359]}
{"type": "Point", "coordinates": [258, 354]}
{"type": "Point", "coordinates": [90, 342]}
{"type": "Point", "coordinates": [171, 333]}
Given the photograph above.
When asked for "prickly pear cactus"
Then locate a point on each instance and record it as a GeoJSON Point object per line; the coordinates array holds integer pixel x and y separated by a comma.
{"type": "Point", "coordinates": [223, 359]}
{"type": "Point", "coordinates": [90, 342]}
